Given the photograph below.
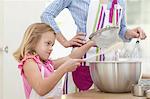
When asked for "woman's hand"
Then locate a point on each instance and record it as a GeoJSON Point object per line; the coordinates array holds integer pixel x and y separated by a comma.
{"type": "Point", "coordinates": [135, 33]}
{"type": "Point", "coordinates": [78, 40]}
{"type": "Point", "coordinates": [71, 64]}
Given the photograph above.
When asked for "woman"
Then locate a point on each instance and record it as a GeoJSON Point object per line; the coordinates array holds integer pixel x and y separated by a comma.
{"type": "Point", "coordinates": [79, 10]}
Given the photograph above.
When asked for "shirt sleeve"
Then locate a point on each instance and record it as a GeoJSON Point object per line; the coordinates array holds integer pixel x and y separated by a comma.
{"type": "Point", "coordinates": [50, 13]}
{"type": "Point", "coordinates": [123, 24]}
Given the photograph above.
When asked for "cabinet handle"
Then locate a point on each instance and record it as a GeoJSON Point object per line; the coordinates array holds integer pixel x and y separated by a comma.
{"type": "Point", "coordinates": [4, 49]}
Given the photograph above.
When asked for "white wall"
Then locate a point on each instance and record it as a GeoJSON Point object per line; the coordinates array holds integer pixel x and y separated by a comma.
{"type": "Point", "coordinates": [1, 31]}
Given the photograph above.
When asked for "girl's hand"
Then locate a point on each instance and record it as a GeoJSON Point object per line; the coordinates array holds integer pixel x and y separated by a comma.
{"type": "Point", "coordinates": [71, 64]}
{"type": "Point", "coordinates": [77, 40]}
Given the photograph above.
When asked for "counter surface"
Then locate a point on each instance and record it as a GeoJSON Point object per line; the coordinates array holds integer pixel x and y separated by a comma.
{"type": "Point", "coordinates": [92, 94]}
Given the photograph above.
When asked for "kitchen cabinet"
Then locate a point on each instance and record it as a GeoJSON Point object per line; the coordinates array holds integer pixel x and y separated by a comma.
{"type": "Point", "coordinates": [93, 94]}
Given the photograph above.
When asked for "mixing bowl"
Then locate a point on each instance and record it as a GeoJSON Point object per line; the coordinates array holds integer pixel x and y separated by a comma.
{"type": "Point", "coordinates": [115, 76]}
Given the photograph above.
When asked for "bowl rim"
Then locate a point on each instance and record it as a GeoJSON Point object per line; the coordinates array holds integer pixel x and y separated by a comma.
{"type": "Point", "coordinates": [115, 62]}
{"type": "Point", "coordinates": [120, 60]}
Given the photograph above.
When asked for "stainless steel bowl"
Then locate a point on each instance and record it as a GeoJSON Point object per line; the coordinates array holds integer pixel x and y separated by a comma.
{"type": "Point", "coordinates": [115, 76]}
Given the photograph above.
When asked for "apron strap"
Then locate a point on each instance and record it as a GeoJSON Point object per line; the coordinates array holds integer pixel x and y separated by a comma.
{"type": "Point", "coordinates": [42, 71]}
{"type": "Point", "coordinates": [112, 10]}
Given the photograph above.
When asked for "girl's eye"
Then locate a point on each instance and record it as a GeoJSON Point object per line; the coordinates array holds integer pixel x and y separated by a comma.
{"type": "Point", "coordinates": [49, 43]}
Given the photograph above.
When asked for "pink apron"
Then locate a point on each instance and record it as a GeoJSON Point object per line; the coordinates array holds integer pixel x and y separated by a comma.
{"type": "Point", "coordinates": [99, 16]}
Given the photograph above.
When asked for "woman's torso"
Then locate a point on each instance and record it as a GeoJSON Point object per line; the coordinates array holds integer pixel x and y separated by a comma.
{"type": "Point", "coordinates": [79, 11]}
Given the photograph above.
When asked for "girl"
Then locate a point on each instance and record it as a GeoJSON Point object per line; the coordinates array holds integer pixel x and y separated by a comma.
{"type": "Point", "coordinates": [37, 71]}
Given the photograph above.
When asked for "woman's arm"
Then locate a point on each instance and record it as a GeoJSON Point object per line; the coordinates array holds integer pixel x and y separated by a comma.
{"type": "Point", "coordinates": [48, 16]}
{"type": "Point", "coordinates": [123, 23]}
{"type": "Point", "coordinates": [128, 34]}
{"type": "Point", "coordinates": [51, 12]}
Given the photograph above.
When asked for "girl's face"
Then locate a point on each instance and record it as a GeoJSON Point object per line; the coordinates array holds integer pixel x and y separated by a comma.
{"type": "Point", "coordinates": [44, 45]}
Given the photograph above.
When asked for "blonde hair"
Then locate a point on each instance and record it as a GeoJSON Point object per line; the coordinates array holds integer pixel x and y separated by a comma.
{"type": "Point", "coordinates": [30, 39]}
